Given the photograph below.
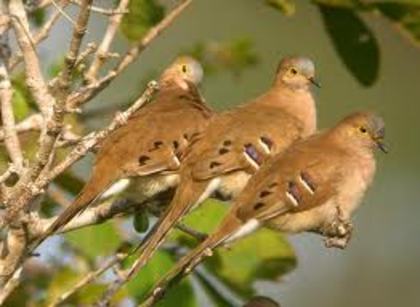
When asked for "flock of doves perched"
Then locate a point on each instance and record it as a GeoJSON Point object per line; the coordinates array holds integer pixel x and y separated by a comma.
{"type": "Point", "coordinates": [266, 156]}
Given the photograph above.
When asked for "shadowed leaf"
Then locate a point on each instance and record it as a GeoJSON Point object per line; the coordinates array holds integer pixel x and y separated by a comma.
{"type": "Point", "coordinates": [95, 241]}
{"type": "Point", "coordinates": [151, 273]}
{"type": "Point", "coordinates": [268, 254]}
{"type": "Point", "coordinates": [287, 7]}
{"type": "Point", "coordinates": [406, 15]}
{"type": "Point", "coordinates": [143, 14]}
{"type": "Point", "coordinates": [354, 42]}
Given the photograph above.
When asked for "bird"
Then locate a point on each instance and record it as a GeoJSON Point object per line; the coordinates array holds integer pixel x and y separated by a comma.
{"type": "Point", "coordinates": [150, 147]}
{"type": "Point", "coordinates": [236, 143]}
{"type": "Point", "coordinates": [313, 186]}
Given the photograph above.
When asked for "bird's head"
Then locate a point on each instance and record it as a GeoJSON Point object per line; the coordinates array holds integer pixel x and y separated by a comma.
{"type": "Point", "coordinates": [296, 72]}
{"type": "Point", "coordinates": [364, 129]}
{"type": "Point", "coordinates": [182, 71]}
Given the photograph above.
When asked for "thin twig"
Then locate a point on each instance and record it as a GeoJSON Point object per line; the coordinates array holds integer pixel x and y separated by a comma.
{"type": "Point", "coordinates": [100, 10]}
{"type": "Point", "coordinates": [11, 285]}
{"type": "Point", "coordinates": [11, 139]}
{"type": "Point", "coordinates": [100, 56]}
{"type": "Point", "coordinates": [34, 78]}
{"type": "Point", "coordinates": [41, 35]}
{"type": "Point", "coordinates": [90, 277]}
{"type": "Point", "coordinates": [32, 122]}
{"type": "Point", "coordinates": [91, 90]}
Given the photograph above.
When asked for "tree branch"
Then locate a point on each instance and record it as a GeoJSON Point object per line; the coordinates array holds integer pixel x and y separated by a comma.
{"type": "Point", "coordinates": [11, 139]}
{"type": "Point", "coordinates": [34, 78]}
{"type": "Point", "coordinates": [90, 277]}
{"type": "Point", "coordinates": [41, 35]}
{"type": "Point", "coordinates": [91, 90]}
{"type": "Point", "coordinates": [101, 54]}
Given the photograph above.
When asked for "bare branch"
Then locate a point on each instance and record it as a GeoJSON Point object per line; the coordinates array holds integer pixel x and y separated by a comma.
{"type": "Point", "coordinates": [100, 56]}
{"type": "Point", "coordinates": [32, 122]}
{"type": "Point", "coordinates": [11, 139]}
{"type": "Point", "coordinates": [34, 78]}
{"type": "Point", "coordinates": [91, 140]}
{"type": "Point", "coordinates": [89, 278]}
{"type": "Point", "coordinates": [41, 35]}
{"type": "Point", "coordinates": [107, 12]}
{"type": "Point", "coordinates": [11, 285]}
{"type": "Point", "coordinates": [91, 90]}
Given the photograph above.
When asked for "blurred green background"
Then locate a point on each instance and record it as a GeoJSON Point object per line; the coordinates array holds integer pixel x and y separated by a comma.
{"type": "Point", "coordinates": [381, 265]}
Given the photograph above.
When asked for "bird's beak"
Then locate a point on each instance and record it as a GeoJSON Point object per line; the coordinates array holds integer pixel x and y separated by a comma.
{"type": "Point", "coordinates": [314, 82]}
{"type": "Point", "coordinates": [381, 145]}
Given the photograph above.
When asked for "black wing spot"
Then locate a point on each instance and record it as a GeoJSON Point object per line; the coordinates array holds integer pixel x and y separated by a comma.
{"type": "Point", "coordinates": [223, 151]}
{"type": "Point", "coordinates": [227, 143]}
{"type": "Point", "coordinates": [143, 160]}
{"type": "Point", "coordinates": [267, 141]}
{"type": "Point", "coordinates": [185, 135]}
{"type": "Point", "coordinates": [214, 164]}
{"type": "Point", "coordinates": [264, 193]}
{"type": "Point", "coordinates": [176, 144]}
{"type": "Point", "coordinates": [258, 206]}
{"type": "Point", "coordinates": [157, 144]}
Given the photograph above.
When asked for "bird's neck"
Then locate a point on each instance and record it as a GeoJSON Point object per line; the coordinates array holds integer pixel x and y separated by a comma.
{"type": "Point", "coordinates": [298, 102]}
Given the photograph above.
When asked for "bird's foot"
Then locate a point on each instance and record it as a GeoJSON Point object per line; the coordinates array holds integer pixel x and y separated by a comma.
{"type": "Point", "coordinates": [336, 242]}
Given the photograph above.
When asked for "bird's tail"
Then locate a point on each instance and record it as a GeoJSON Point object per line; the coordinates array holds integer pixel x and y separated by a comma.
{"type": "Point", "coordinates": [187, 195]}
{"type": "Point", "coordinates": [229, 226]}
{"type": "Point", "coordinates": [93, 189]}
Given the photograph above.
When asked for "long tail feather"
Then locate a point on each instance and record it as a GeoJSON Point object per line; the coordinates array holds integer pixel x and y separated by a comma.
{"type": "Point", "coordinates": [93, 188]}
{"type": "Point", "coordinates": [186, 196]}
{"type": "Point", "coordinates": [229, 226]}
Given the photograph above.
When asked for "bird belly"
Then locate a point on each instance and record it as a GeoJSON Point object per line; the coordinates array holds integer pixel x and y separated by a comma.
{"type": "Point", "coordinates": [231, 185]}
{"type": "Point", "coordinates": [142, 189]}
{"type": "Point", "coordinates": [309, 220]}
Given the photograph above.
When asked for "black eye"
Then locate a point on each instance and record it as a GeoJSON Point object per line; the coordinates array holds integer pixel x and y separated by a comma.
{"type": "Point", "coordinates": [362, 129]}
{"type": "Point", "coordinates": [293, 71]}
{"type": "Point", "coordinates": [184, 68]}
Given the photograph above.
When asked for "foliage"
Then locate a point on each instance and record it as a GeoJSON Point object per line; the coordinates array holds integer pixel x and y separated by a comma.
{"type": "Point", "coordinates": [263, 255]}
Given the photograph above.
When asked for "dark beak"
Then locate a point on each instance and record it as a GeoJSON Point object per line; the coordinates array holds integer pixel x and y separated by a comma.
{"type": "Point", "coordinates": [314, 82]}
{"type": "Point", "coordinates": [382, 146]}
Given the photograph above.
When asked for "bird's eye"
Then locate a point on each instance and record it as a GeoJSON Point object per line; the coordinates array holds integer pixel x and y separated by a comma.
{"type": "Point", "coordinates": [293, 71]}
{"type": "Point", "coordinates": [362, 129]}
{"type": "Point", "coordinates": [184, 68]}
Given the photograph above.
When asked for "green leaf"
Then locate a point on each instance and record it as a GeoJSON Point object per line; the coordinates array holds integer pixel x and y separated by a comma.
{"type": "Point", "coordinates": [263, 255]}
{"type": "Point", "coordinates": [406, 15]}
{"type": "Point", "coordinates": [20, 105]}
{"type": "Point", "coordinates": [143, 14]}
{"type": "Point", "coordinates": [287, 7]}
{"type": "Point", "coordinates": [70, 182]}
{"type": "Point", "coordinates": [151, 273]}
{"type": "Point", "coordinates": [354, 43]}
{"type": "Point", "coordinates": [140, 222]}
{"type": "Point", "coordinates": [38, 17]}
{"type": "Point", "coordinates": [96, 240]}
{"type": "Point", "coordinates": [62, 281]}
{"type": "Point", "coordinates": [235, 56]}
{"type": "Point", "coordinates": [340, 3]}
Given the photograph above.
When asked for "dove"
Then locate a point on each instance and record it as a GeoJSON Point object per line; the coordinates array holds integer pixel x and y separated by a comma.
{"type": "Point", "coordinates": [151, 146]}
{"type": "Point", "coordinates": [236, 143]}
{"type": "Point", "coordinates": [314, 186]}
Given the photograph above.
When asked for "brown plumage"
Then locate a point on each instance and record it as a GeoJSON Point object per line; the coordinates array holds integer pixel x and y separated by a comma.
{"type": "Point", "coordinates": [315, 186]}
{"type": "Point", "coordinates": [236, 143]}
{"type": "Point", "coordinates": [152, 144]}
